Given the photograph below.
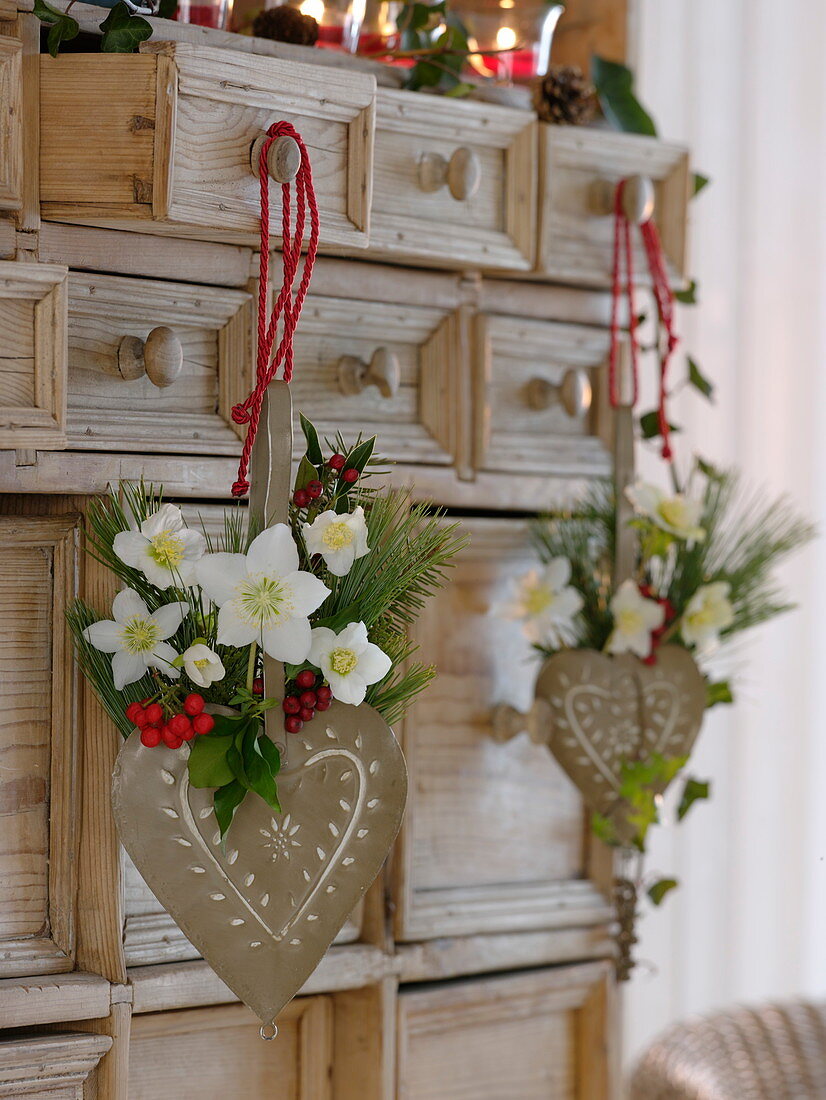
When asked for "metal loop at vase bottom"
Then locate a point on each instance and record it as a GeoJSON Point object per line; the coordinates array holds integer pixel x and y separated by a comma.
{"type": "Point", "coordinates": [265, 1030]}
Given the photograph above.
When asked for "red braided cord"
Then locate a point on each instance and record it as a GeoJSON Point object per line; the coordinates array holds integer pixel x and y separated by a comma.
{"type": "Point", "coordinates": [622, 250]}
{"type": "Point", "coordinates": [287, 307]}
{"type": "Point", "coordinates": [664, 297]}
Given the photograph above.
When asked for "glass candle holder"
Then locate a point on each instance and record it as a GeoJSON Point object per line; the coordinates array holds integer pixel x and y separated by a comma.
{"type": "Point", "coordinates": [204, 13]}
{"type": "Point", "coordinates": [339, 21]}
{"type": "Point", "coordinates": [513, 36]}
{"type": "Point", "coordinates": [379, 30]}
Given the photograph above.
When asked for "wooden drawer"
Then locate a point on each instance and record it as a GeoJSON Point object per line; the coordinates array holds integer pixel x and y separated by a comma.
{"type": "Point", "coordinates": [11, 134]}
{"type": "Point", "coordinates": [543, 1035]}
{"type": "Point", "coordinates": [494, 836]}
{"type": "Point", "coordinates": [522, 425]}
{"type": "Point", "coordinates": [216, 1053]}
{"type": "Point", "coordinates": [49, 1066]}
{"type": "Point", "coordinates": [160, 141]}
{"type": "Point", "coordinates": [38, 745]}
{"type": "Point", "coordinates": [418, 218]}
{"type": "Point", "coordinates": [32, 356]}
{"type": "Point", "coordinates": [575, 239]}
{"type": "Point", "coordinates": [108, 411]}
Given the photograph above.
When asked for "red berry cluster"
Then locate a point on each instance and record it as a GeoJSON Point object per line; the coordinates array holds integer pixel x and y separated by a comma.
{"type": "Point", "coordinates": [303, 498]}
{"type": "Point", "coordinates": [301, 704]}
{"type": "Point", "coordinates": [159, 723]}
{"type": "Point", "coordinates": [657, 635]}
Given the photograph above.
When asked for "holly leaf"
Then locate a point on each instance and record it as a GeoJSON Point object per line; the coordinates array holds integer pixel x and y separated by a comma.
{"type": "Point", "coordinates": [693, 791]}
{"type": "Point", "coordinates": [688, 296]}
{"type": "Point", "coordinates": [361, 455]}
{"type": "Point", "coordinates": [226, 800]}
{"type": "Point", "coordinates": [700, 182]}
{"type": "Point", "coordinates": [650, 425]}
{"type": "Point", "coordinates": [123, 32]}
{"type": "Point", "coordinates": [615, 87]}
{"type": "Point", "coordinates": [63, 27]}
{"type": "Point", "coordinates": [659, 890]}
{"type": "Point", "coordinates": [313, 446]}
{"type": "Point", "coordinates": [208, 765]}
{"type": "Point", "coordinates": [698, 380]}
{"type": "Point", "coordinates": [718, 693]}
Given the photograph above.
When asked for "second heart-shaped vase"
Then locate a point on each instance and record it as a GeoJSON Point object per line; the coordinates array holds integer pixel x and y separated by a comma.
{"type": "Point", "coordinates": [263, 907]}
{"type": "Point", "coordinates": [606, 711]}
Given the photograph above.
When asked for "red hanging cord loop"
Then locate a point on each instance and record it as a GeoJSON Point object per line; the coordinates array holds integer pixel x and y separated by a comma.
{"type": "Point", "coordinates": [287, 308]}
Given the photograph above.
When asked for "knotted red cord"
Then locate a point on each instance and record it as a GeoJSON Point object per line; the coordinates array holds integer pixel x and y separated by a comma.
{"type": "Point", "coordinates": [286, 306]}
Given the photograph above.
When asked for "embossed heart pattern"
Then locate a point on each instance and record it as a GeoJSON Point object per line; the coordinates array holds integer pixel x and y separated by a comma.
{"type": "Point", "coordinates": [263, 908]}
{"type": "Point", "coordinates": [607, 710]}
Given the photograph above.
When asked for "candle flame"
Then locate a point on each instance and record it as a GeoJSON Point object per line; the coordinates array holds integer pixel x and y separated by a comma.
{"type": "Point", "coordinates": [505, 38]}
{"type": "Point", "coordinates": [315, 8]}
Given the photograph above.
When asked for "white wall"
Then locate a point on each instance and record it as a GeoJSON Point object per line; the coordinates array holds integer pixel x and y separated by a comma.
{"type": "Point", "coordinates": [743, 83]}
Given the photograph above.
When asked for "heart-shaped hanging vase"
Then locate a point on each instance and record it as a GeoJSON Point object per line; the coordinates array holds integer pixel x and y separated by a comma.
{"type": "Point", "coordinates": [608, 710]}
{"type": "Point", "coordinates": [263, 908]}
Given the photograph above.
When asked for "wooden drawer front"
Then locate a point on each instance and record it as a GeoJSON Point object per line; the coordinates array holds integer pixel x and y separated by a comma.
{"type": "Point", "coordinates": [11, 114]}
{"type": "Point", "coordinates": [160, 141]}
{"type": "Point", "coordinates": [50, 1066]}
{"type": "Point", "coordinates": [544, 1035]}
{"type": "Point", "coordinates": [494, 228]}
{"type": "Point", "coordinates": [217, 1054]}
{"type": "Point", "coordinates": [515, 437]}
{"type": "Point", "coordinates": [191, 416]}
{"type": "Point", "coordinates": [493, 838]}
{"type": "Point", "coordinates": [415, 424]}
{"type": "Point", "coordinates": [37, 746]}
{"type": "Point", "coordinates": [32, 356]}
{"type": "Point", "coordinates": [576, 241]}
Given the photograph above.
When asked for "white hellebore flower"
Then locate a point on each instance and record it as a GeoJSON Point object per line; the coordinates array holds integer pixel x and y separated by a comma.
{"type": "Point", "coordinates": [136, 639]}
{"type": "Point", "coordinates": [546, 604]}
{"type": "Point", "coordinates": [349, 662]}
{"type": "Point", "coordinates": [164, 550]}
{"type": "Point", "coordinates": [263, 596]}
{"type": "Point", "coordinates": [709, 611]}
{"type": "Point", "coordinates": [635, 617]}
{"type": "Point", "coordinates": [339, 539]}
{"type": "Point", "coordinates": [203, 665]}
{"type": "Point", "coordinates": [678, 515]}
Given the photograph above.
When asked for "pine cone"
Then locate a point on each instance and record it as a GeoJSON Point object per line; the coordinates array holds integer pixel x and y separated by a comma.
{"type": "Point", "coordinates": [564, 96]}
{"type": "Point", "coordinates": [286, 24]}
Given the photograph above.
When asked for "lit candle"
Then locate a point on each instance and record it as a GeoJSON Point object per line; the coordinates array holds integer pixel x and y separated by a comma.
{"type": "Point", "coordinates": [506, 40]}
{"type": "Point", "coordinates": [315, 8]}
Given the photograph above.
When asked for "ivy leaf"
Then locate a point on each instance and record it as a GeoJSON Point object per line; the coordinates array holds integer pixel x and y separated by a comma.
{"type": "Point", "coordinates": [698, 380]}
{"type": "Point", "coordinates": [718, 693]}
{"type": "Point", "coordinates": [700, 182]}
{"type": "Point", "coordinates": [313, 446]}
{"type": "Point", "coordinates": [693, 791]}
{"type": "Point", "coordinates": [123, 32]}
{"type": "Point", "coordinates": [208, 766]}
{"type": "Point", "coordinates": [603, 829]}
{"type": "Point", "coordinates": [659, 890]}
{"type": "Point", "coordinates": [615, 87]}
{"type": "Point", "coordinates": [650, 425]}
{"type": "Point", "coordinates": [227, 799]}
{"type": "Point", "coordinates": [63, 27]}
{"type": "Point", "coordinates": [688, 296]}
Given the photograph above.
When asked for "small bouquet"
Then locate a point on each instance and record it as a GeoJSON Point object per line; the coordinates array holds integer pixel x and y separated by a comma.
{"type": "Point", "coordinates": [332, 595]}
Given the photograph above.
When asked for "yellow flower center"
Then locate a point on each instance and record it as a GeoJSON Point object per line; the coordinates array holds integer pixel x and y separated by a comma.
{"type": "Point", "coordinates": [538, 599]}
{"type": "Point", "coordinates": [167, 549]}
{"type": "Point", "coordinates": [343, 661]}
{"type": "Point", "coordinates": [629, 621]}
{"type": "Point", "coordinates": [263, 600]}
{"type": "Point", "coordinates": [140, 635]}
{"type": "Point", "coordinates": [674, 512]}
{"type": "Point", "coordinates": [202, 663]}
{"type": "Point", "coordinates": [703, 616]}
{"type": "Point", "coordinates": [337, 535]}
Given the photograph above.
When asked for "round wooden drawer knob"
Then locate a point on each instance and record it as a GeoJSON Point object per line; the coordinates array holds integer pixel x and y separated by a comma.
{"type": "Point", "coordinates": [160, 357]}
{"type": "Point", "coordinates": [638, 198]}
{"type": "Point", "coordinates": [462, 174]}
{"type": "Point", "coordinates": [573, 393]}
{"type": "Point", "coordinates": [383, 371]}
{"type": "Point", "coordinates": [283, 158]}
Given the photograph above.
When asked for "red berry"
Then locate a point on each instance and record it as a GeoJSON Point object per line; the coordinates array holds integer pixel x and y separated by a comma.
{"type": "Point", "coordinates": [194, 704]}
{"type": "Point", "coordinates": [337, 462]}
{"type": "Point", "coordinates": [154, 712]}
{"type": "Point", "coordinates": [140, 719]}
{"type": "Point", "coordinates": [291, 705]}
{"type": "Point", "coordinates": [145, 702]}
{"type": "Point", "coordinates": [308, 699]}
{"type": "Point", "coordinates": [150, 736]}
{"type": "Point", "coordinates": [180, 725]}
{"type": "Point", "coordinates": [257, 686]}
{"type": "Point", "coordinates": [132, 711]}
{"type": "Point", "coordinates": [323, 704]}
{"type": "Point", "coordinates": [171, 739]}
{"type": "Point", "coordinates": [203, 723]}
{"type": "Point", "coordinates": [323, 694]}
{"type": "Point", "coordinates": [350, 475]}
{"type": "Point", "coordinates": [314, 490]}
{"type": "Point", "coordinates": [301, 498]}
{"type": "Point", "coordinates": [306, 679]}
{"type": "Point", "coordinates": [306, 714]}
{"type": "Point", "coordinates": [293, 724]}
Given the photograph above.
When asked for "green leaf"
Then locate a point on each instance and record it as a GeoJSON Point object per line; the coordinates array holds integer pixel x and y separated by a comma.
{"type": "Point", "coordinates": [208, 766]}
{"type": "Point", "coordinates": [123, 32]}
{"type": "Point", "coordinates": [700, 182]}
{"type": "Point", "coordinates": [167, 9]}
{"type": "Point", "coordinates": [458, 91]}
{"type": "Point", "coordinates": [708, 470]}
{"type": "Point", "coordinates": [603, 829]}
{"type": "Point", "coordinates": [698, 380]}
{"type": "Point", "coordinates": [693, 791]}
{"type": "Point", "coordinates": [650, 425]}
{"type": "Point", "coordinates": [270, 753]}
{"type": "Point", "coordinates": [306, 473]}
{"type": "Point", "coordinates": [718, 693]}
{"type": "Point", "coordinates": [615, 87]}
{"type": "Point", "coordinates": [227, 799]}
{"type": "Point", "coordinates": [659, 890]}
{"type": "Point", "coordinates": [688, 296]}
{"type": "Point", "coordinates": [258, 772]}
{"type": "Point", "coordinates": [361, 455]}
{"type": "Point", "coordinates": [314, 453]}
{"type": "Point", "coordinates": [63, 27]}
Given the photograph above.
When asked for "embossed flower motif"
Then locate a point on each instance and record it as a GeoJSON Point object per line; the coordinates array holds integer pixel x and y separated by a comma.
{"type": "Point", "coordinates": [281, 838]}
